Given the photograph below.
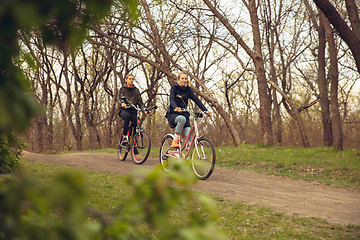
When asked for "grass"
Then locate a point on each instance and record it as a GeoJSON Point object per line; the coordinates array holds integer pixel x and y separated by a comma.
{"type": "Point", "coordinates": [245, 221]}
{"type": "Point", "coordinates": [325, 165]}
{"type": "Point", "coordinates": [105, 191]}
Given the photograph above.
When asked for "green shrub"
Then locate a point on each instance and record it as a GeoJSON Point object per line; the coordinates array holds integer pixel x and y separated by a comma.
{"type": "Point", "coordinates": [10, 151]}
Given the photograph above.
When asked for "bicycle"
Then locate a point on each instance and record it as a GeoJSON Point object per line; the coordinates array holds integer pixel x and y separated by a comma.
{"type": "Point", "coordinates": [200, 148]}
{"type": "Point", "coordinates": [139, 143]}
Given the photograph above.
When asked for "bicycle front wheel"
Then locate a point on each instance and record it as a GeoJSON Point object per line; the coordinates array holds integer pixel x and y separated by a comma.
{"type": "Point", "coordinates": [140, 148]}
{"type": "Point", "coordinates": [203, 158]}
{"type": "Point", "coordinates": [167, 154]}
{"type": "Point", "coordinates": [121, 149]}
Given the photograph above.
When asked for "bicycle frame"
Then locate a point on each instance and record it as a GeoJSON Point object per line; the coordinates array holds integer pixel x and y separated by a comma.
{"type": "Point", "coordinates": [138, 128]}
{"type": "Point", "coordinates": [193, 143]}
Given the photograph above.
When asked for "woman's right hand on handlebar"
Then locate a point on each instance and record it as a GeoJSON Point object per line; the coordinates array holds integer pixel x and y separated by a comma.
{"type": "Point", "coordinates": [147, 112]}
{"type": "Point", "coordinates": [123, 105]}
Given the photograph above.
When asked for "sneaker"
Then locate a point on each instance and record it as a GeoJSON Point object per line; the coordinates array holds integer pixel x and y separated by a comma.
{"type": "Point", "coordinates": [175, 143]}
{"type": "Point", "coordinates": [136, 153]}
{"type": "Point", "coordinates": [124, 140]}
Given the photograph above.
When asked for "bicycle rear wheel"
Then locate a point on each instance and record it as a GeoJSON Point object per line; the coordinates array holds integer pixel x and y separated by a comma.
{"type": "Point", "coordinates": [203, 158]}
{"type": "Point", "coordinates": [122, 150]}
{"type": "Point", "coordinates": [140, 148]}
{"type": "Point", "coordinates": [166, 158]}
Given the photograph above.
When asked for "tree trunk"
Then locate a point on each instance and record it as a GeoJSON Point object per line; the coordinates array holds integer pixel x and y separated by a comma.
{"type": "Point", "coordinates": [352, 10]}
{"type": "Point", "coordinates": [333, 77]}
{"type": "Point", "coordinates": [40, 123]}
{"type": "Point", "coordinates": [50, 132]}
{"type": "Point", "coordinates": [77, 128]}
{"type": "Point", "coordinates": [273, 76]}
{"type": "Point", "coordinates": [264, 96]}
{"type": "Point", "coordinates": [323, 87]}
{"type": "Point", "coordinates": [277, 119]}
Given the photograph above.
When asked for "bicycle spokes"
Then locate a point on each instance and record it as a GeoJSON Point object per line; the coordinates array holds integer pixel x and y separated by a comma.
{"type": "Point", "coordinates": [140, 149]}
{"type": "Point", "coordinates": [203, 158]}
{"type": "Point", "coordinates": [122, 150]}
{"type": "Point", "coordinates": [167, 153]}
{"type": "Point", "coordinates": [202, 154]}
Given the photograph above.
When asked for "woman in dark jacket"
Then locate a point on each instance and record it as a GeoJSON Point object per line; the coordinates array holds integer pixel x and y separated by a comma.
{"type": "Point", "coordinates": [180, 93]}
{"type": "Point", "coordinates": [132, 94]}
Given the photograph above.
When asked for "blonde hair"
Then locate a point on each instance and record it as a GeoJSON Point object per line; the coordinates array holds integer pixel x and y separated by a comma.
{"type": "Point", "coordinates": [178, 77]}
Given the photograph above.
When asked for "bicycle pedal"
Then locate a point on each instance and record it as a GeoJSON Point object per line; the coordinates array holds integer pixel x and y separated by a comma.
{"type": "Point", "coordinates": [121, 146]}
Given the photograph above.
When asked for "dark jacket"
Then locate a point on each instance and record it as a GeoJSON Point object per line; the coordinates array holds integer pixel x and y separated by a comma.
{"type": "Point", "coordinates": [132, 95]}
{"type": "Point", "coordinates": [186, 93]}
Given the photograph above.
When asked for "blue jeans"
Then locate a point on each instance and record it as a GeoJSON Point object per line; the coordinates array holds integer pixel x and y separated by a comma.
{"type": "Point", "coordinates": [180, 121]}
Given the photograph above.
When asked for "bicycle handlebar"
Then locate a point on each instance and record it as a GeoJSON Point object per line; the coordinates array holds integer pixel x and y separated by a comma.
{"type": "Point", "coordinates": [131, 105]}
{"type": "Point", "coordinates": [196, 114]}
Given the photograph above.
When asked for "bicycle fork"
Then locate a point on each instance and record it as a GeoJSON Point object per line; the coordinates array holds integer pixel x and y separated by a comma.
{"type": "Point", "coordinates": [193, 142]}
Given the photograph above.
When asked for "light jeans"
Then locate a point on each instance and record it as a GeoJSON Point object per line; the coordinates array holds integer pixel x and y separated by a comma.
{"type": "Point", "coordinates": [180, 121]}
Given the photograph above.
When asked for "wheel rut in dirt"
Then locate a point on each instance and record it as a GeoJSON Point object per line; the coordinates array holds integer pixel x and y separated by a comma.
{"type": "Point", "coordinates": [311, 199]}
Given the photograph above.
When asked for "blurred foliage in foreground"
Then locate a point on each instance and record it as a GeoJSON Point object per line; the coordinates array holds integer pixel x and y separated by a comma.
{"type": "Point", "coordinates": [29, 210]}
{"type": "Point", "coordinates": [10, 151]}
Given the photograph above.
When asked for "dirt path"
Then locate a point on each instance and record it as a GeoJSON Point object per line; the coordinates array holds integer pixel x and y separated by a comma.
{"type": "Point", "coordinates": [341, 206]}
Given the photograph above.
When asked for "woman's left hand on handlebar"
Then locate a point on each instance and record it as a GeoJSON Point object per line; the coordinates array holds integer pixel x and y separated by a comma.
{"type": "Point", "coordinates": [147, 112]}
